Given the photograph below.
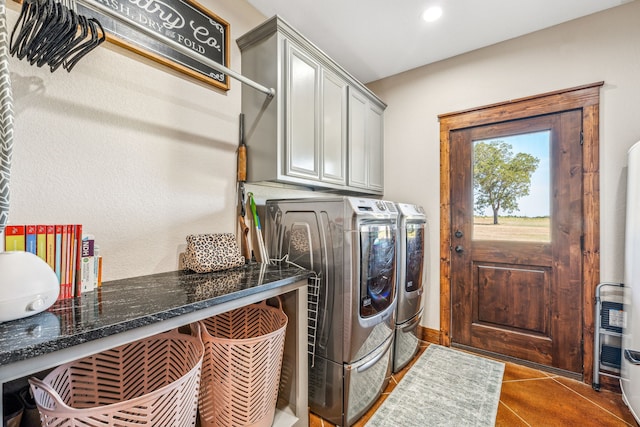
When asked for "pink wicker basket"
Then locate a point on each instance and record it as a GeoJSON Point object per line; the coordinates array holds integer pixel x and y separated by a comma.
{"type": "Point", "coordinates": [152, 382]}
{"type": "Point", "coordinates": [241, 366]}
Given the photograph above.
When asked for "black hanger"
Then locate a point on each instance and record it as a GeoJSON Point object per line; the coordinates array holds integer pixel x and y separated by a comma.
{"type": "Point", "coordinates": [54, 20]}
{"type": "Point", "coordinates": [55, 58]}
{"type": "Point", "coordinates": [27, 22]}
{"type": "Point", "coordinates": [46, 13]}
{"type": "Point", "coordinates": [49, 32]}
{"type": "Point", "coordinates": [97, 37]}
{"type": "Point", "coordinates": [63, 34]}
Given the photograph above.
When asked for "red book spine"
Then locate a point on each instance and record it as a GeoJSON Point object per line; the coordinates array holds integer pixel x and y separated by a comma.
{"type": "Point", "coordinates": [64, 270]}
{"type": "Point", "coordinates": [41, 241]}
{"type": "Point", "coordinates": [78, 260]}
{"type": "Point", "coordinates": [58, 268]}
{"type": "Point", "coordinates": [51, 246]}
{"type": "Point", "coordinates": [14, 238]}
{"type": "Point", "coordinates": [70, 260]}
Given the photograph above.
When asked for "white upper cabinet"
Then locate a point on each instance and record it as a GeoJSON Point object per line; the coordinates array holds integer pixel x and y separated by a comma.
{"type": "Point", "coordinates": [323, 128]}
{"type": "Point", "coordinates": [315, 120]}
{"type": "Point", "coordinates": [358, 174]}
{"type": "Point", "coordinates": [375, 147]}
{"type": "Point", "coordinates": [302, 106]}
{"type": "Point", "coordinates": [366, 168]}
{"type": "Point", "coordinates": [334, 128]}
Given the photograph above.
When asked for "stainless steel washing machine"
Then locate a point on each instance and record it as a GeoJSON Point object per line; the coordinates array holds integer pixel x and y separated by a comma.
{"type": "Point", "coordinates": [413, 232]}
{"type": "Point", "coordinates": [350, 243]}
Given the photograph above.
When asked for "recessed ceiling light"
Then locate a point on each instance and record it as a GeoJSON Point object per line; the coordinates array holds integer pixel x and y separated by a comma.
{"type": "Point", "coordinates": [432, 13]}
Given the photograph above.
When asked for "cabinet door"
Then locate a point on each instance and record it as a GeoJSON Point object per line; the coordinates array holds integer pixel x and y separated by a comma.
{"type": "Point", "coordinates": [334, 129]}
{"type": "Point", "coordinates": [375, 148]}
{"type": "Point", "coordinates": [366, 143]}
{"type": "Point", "coordinates": [358, 162]}
{"type": "Point", "coordinates": [302, 83]}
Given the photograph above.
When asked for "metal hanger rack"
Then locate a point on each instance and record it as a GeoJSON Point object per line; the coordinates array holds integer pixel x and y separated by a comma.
{"type": "Point", "coordinates": [270, 92]}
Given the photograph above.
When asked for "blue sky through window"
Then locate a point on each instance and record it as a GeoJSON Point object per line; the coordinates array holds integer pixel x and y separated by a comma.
{"type": "Point", "coordinates": [537, 144]}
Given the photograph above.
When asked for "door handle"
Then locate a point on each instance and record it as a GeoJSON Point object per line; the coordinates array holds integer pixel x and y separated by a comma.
{"type": "Point", "coordinates": [411, 324]}
{"type": "Point", "coordinates": [632, 356]}
{"type": "Point", "coordinates": [459, 249]}
{"type": "Point", "coordinates": [366, 365]}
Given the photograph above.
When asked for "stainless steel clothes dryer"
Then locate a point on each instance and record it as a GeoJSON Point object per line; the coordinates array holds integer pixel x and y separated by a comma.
{"type": "Point", "coordinates": [412, 255]}
{"type": "Point", "coordinates": [350, 243]}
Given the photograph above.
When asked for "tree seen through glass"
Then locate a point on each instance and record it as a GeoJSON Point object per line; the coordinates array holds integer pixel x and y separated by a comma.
{"type": "Point", "coordinates": [511, 188]}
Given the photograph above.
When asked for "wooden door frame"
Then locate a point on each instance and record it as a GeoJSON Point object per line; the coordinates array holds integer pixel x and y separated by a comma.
{"type": "Point", "coordinates": [585, 98]}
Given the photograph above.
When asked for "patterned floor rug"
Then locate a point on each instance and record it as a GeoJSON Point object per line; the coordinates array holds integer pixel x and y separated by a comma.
{"type": "Point", "coordinates": [445, 387]}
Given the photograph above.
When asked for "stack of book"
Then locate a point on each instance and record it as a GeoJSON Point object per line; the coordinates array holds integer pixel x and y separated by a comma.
{"type": "Point", "coordinates": [73, 256]}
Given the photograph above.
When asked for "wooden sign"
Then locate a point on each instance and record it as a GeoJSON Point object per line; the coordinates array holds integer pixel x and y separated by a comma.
{"type": "Point", "coordinates": [183, 21]}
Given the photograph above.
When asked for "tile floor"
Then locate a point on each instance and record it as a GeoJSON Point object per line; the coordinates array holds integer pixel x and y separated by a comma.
{"type": "Point", "coordinates": [533, 398]}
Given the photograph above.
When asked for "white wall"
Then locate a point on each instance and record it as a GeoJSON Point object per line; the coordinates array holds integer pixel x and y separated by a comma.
{"type": "Point", "coordinates": [138, 154]}
{"type": "Point", "coordinates": [601, 47]}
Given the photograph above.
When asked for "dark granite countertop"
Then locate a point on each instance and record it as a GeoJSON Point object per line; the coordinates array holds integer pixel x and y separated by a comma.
{"type": "Point", "coordinates": [126, 304]}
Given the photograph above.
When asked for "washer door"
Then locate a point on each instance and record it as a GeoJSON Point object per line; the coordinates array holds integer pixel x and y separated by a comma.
{"type": "Point", "coordinates": [377, 267]}
{"type": "Point", "coordinates": [415, 256]}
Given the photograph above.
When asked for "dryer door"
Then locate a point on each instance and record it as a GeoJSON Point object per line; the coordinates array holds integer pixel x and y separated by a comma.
{"type": "Point", "coordinates": [377, 267]}
{"type": "Point", "coordinates": [415, 256]}
{"type": "Point", "coordinates": [413, 269]}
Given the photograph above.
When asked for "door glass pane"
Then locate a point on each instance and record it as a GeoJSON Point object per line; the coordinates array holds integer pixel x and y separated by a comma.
{"type": "Point", "coordinates": [377, 268]}
{"type": "Point", "coordinates": [415, 257]}
{"type": "Point", "coordinates": [511, 188]}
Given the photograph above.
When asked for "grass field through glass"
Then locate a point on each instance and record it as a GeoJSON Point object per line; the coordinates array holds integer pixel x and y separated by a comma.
{"type": "Point", "coordinates": [521, 229]}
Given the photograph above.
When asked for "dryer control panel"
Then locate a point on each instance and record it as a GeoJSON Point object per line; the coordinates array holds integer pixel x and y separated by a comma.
{"type": "Point", "coordinates": [372, 205]}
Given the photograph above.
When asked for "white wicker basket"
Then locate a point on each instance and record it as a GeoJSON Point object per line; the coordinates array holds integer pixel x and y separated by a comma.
{"type": "Point", "coordinates": [241, 366]}
{"type": "Point", "coordinates": [150, 382]}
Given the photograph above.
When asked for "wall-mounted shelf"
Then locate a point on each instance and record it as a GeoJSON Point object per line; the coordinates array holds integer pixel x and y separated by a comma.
{"type": "Point", "coordinates": [270, 92]}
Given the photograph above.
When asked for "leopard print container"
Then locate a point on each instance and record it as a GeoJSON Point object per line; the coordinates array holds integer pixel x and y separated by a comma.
{"type": "Point", "coordinates": [212, 252]}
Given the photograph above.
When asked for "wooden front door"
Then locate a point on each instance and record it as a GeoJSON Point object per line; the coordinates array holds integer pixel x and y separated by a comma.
{"type": "Point", "coordinates": [516, 274]}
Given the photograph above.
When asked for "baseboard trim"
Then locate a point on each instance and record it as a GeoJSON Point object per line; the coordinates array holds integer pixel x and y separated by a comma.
{"type": "Point", "coordinates": [429, 335]}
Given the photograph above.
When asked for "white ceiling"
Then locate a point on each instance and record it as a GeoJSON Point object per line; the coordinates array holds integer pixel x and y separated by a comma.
{"type": "Point", "coordinates": [373, 39]}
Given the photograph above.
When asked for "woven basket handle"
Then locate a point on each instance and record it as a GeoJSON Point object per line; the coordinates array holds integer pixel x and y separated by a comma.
{"type": "Point", "coordinates": [37, 383]}
{"type": "Point", "coordinates": [263, 303]}
{"type": "Point", "coordinates": [194, 331]}
{"type": "Point", "coordinates": [195, 328]}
